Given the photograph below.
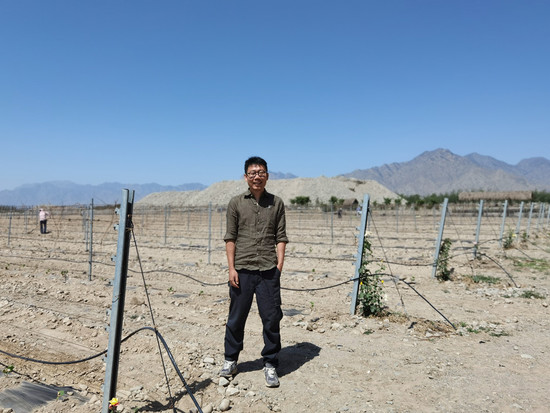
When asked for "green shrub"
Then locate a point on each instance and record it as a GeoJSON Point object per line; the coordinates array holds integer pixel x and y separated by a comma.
{"type": "Point", "coordinates": [508, 241]}
{"type": "Point", "coordinates": [300, 200]}
{"type": "Point", "coordinates": [370, 288]}
{"type": "Point", "coordinates": [443, 273]}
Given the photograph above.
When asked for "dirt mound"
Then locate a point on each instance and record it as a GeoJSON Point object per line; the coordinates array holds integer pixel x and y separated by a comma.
{"type": "Point", "coordinates": [317, 189]}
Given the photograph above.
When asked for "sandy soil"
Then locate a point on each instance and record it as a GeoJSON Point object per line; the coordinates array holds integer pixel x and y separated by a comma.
{"type": "Point", "coordinates": [411, 360]}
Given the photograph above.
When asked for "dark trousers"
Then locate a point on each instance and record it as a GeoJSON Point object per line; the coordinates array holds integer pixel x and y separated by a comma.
{"type": "Point", "coordinates": [43, 225]}
{"type": "Point", "coordinates": [267, 287]}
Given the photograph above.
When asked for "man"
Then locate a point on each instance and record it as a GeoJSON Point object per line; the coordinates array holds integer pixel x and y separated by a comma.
{"type": "Point", "coordinates": [255, 244]}
{"type": "Point", "coordinates": [43, 217]}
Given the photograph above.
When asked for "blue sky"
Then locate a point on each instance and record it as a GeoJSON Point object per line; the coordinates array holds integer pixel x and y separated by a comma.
{"type": "Point", "coordinates": [184, 91]}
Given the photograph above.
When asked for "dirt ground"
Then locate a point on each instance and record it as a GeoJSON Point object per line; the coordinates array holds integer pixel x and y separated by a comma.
{"type": "Point", "coordinates": [494, 357]}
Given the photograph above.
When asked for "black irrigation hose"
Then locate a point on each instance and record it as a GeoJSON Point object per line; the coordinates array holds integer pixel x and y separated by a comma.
{"type": "Point", "coordinates": [364, 277]}
{"type": "Point", "coordinates": [185, 275]}
{"type": "Point", "coordinates": [535, 245]}
{"type": "Point", "coordinates": [166, 348]}
{"type": "Point", "coordinates": [171, 357]}
{"type": "Point", "coordinates": [319, 288]}
{"type": "Point", "coordinates": [523, 252]}
{"type": "Point", "coordinates": [501, 267]}
{"type": "Point", "coordinates": [395, 278]}
{"type": "Point", "coordinates": [430, 304]}
{"type": "Point", "coordinates": [403, 264]}
{"type": "Point", "coordinates": [56, 363]}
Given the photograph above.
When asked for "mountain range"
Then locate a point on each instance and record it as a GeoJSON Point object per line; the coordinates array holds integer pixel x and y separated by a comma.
{"type": "Point", "coordinates": [441, 171]}
{"type": "Point", "coordinates": [438, 171]}
{"type": "Point", "coordinates": [69, 193]}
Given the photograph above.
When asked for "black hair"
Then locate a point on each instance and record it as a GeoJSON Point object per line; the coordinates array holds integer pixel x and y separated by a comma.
{"type": "Point", "coordinates": [255, 160]}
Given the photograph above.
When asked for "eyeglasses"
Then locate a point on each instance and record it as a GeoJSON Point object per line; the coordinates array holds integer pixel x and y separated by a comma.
{"type": "Point", "coordinates": [252, 174]}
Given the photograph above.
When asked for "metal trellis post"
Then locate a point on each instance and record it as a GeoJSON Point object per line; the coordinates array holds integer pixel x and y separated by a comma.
{"type": "Point", "coordinates": [440, 236]}
{"type": "Point", "coordinates": [478, 228]}
{"type": "Point", "coordinates": [359, 258]}
{"type": "Point", "coordinates": [519, 219]}
{"type": "Point", "coordinates": [119, 295]}
{"type": "Point", "coordinates": [85, 226]}
{"type": "Point", "coordinates": [541, 215]}
{"type": "Point", "coordinates": [504, 211]}
{"type": "Point", "coordinates": [528, 231]}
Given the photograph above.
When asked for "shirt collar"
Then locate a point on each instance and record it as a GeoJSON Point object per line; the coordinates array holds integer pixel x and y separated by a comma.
{"type": "Point", "coordinates": [249, 194]}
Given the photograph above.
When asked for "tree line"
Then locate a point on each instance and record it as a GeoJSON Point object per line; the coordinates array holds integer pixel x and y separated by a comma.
{"type": "Point", "coordinates": [428, 201]}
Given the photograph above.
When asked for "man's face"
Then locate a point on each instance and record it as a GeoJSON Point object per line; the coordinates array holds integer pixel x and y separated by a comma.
{"type": "Point", "coordinates": [256, 176]}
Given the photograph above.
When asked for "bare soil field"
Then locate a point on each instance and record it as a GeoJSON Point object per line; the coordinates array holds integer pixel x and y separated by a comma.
{"type": "Point", "coordinates": [492, 355]}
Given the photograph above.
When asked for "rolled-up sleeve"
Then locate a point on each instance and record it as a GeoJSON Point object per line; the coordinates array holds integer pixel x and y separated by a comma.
{"type": "Point", "coordinates": [232, 225]}
{"type": "Point", "coordinates": [280, 235]}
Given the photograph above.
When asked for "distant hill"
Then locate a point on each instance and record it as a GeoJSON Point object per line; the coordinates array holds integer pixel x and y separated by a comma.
{"type": "Point", "coordinates": [441, 171]}
{"type": "Point", "coordinates": [69, 193]}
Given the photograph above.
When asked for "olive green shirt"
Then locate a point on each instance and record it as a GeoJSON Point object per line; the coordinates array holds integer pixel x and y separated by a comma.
{"type": "Point", "coordinates": [256, 228]}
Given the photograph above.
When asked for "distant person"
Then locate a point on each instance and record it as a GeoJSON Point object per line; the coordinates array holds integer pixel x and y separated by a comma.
{"type": "Point", "coordinates": [340, 213]}
{"type": "Point", "coordinates": [255, 244]}
{"type": "Point", "coordinates": [43, 217]}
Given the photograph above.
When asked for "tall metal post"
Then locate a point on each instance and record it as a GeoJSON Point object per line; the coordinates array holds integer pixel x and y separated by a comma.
{"type": "Point", "coordinates": [528, 231]}
{"type": "Point", "coordinates": [359, 258]}
{"type": "Point", "coordinates": [119, 295]}
{"type": "Point", "coordinates": [518, 227]}
{"type": "Point", "coordinates": [478, 229]}
{"type": "Point", "coordinates": [502, 225]}
{"type": "Point", "coordinates": [541, 215]}
{"type": "Point", "coordinates": [440, 236]}
{"type": "Point", "coordinates": [84, 214]}
{"type": "Point", "coordinates": [91, 239]}
{"type": "Point", "coordinates": [87, 223]}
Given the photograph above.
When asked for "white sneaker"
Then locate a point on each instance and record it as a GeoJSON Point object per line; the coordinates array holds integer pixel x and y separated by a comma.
{"type": "Point", "coordinates": [271, 378]}
{"type": "Point", "coordinates": [229, 368]}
